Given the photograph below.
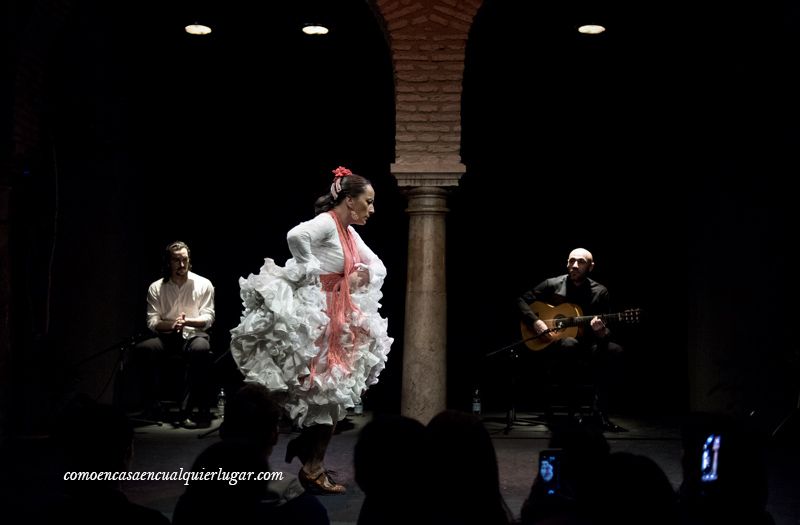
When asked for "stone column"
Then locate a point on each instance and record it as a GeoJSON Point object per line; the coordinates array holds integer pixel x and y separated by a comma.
{"type": "Point", "coordinates": [428, 40]}
{"type": "Point", "coordinates": [424, 391]}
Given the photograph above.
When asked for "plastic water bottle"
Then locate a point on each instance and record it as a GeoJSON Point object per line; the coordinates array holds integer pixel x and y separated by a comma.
{"type": "Point", "coordinates": [358, 409]}
{"type": "Point", "coordinates": [221, 403]}
{"type": "Point", "coordinates": [476, 402]}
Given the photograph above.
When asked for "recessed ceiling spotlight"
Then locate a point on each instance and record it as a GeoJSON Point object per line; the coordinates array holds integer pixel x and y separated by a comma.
{"type": "Point", "coordinates": [197, 29]}
{"type": "Point", "coordinates": [315, 29]}
{"type": "Point", "coordinates": [591, 29]}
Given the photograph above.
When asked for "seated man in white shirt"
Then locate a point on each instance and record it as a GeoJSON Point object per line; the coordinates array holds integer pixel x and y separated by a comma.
{"type": "Point", "coordinates": [180, 310]}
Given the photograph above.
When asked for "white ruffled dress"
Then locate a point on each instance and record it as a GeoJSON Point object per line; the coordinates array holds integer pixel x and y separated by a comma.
{"type": "Point", "coordinates": [283, 325]}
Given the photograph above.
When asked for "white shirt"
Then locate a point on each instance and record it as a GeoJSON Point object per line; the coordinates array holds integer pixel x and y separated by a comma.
{"type": "Point", "coordinates": [319, 239]}
{"type": "Point", "coordinates": [166, 301]}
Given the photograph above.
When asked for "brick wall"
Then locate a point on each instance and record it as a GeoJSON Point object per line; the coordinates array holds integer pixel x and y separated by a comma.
{"type": "Point", "coordinates": [428, 41]}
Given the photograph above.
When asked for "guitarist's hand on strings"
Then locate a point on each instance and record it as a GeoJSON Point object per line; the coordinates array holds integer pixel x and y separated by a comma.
{"type": "Point", "coordinates": [542, 330]}
{"type": "Point", "coordinates": [598, 326]}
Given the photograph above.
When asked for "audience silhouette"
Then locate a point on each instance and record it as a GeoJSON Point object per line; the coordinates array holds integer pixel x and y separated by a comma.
{"type": "Point", "coordinates": [583, 449]}
{"type": "Point", "coordinates": [97, 438]}
{"type": "Point", "coordinates": [215, 501]}
{"type": "Point", "coordinates": [723, 465]}
{"type": "Point", "coordinates": [466, 463]}
{"type": "Point", "coordinates": [630, 489]}
{"type": "Point", "coordinates": [248, 434]}
{"type": "Point", "coordinates": [390, 461]}
{"type": "Point", "coordinates": [724, 471]}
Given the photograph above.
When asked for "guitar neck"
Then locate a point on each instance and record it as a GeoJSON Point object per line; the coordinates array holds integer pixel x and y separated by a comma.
{"type": "Point", "coordinates": [584, 319]}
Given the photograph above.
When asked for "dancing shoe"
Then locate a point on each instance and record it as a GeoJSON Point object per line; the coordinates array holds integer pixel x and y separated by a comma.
{"type": "Point", "coordinates": [322, 483]}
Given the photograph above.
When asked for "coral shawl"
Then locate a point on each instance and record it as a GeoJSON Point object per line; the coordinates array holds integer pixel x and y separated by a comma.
{"type": "Point", "coordinates": [340, 306]}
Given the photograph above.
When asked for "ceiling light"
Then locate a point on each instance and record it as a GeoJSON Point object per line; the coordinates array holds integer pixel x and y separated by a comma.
{"type": "Point", "coordinates": [315, 29]}
{"type": "Point", "coordinates": [591, 29]}
{"type": "Point", "coordinates": [197, 29]}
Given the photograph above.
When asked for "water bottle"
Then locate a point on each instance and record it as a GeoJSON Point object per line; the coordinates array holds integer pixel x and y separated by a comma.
{"type": "Point", "coordinates": [358, 409]}
{"type": "Point", "coordinates": [476, 402]}
{"type": "Point", "coordinates": [221, 403]}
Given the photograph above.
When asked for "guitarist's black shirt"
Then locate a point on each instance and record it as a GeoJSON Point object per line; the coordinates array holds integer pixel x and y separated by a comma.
{"type": "Point", "coordinates": [591, 297]}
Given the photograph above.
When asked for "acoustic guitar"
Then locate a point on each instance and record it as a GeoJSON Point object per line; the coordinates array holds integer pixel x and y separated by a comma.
{"type": "Point", "coordinates": [566, 320]}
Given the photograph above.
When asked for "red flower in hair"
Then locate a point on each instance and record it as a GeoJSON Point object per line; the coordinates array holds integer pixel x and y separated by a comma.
{"type": "Point", "coordinates": [341, 171]}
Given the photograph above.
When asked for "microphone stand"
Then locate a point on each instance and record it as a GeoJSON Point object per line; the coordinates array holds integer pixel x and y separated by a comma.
{"type": "Point", "coordinates": [123, 346]}
{"type": "Point", "coordinates": [515, 344]}
{"type": "Point", "coordinates": [511, 413]}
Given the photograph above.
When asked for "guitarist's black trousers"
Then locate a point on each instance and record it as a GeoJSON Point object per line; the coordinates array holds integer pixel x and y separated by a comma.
{"type": "Point", "coordinates": [570, 360]}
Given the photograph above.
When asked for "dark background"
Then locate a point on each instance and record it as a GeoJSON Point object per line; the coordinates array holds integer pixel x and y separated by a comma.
{"type": "Point", "coordinates": [663, 146]}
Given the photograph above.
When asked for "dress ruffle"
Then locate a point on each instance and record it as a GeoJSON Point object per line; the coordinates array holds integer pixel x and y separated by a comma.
{"type": "Point", "coordinates": [282, 330]}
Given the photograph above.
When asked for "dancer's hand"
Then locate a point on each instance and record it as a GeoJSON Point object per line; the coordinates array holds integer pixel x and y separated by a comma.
{"type": "Point", "coordinates": [359, 278]}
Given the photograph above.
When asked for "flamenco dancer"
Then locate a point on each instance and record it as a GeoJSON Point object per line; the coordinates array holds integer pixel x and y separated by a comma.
{"type": "Point", "coordinates": [311, 329]}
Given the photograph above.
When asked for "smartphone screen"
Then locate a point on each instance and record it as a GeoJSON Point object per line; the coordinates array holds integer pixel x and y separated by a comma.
{"type": "Point", "coordinates": [710, 458]}
{"type": "Point", "coordinates": [550, 471]}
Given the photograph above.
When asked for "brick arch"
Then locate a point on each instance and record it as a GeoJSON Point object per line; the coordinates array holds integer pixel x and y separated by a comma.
{"type": "Point", "coordinates": [427, 40]}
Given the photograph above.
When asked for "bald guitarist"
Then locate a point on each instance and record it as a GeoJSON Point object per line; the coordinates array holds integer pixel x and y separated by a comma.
{"type": "Point", "coordinates": [591, 344]}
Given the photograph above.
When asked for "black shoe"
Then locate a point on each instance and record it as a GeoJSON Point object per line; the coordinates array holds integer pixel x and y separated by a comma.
{"type": "Point", "coordinates": [574, 419]}
{"type": "Point", "coordinates": [344, 424]}
{"type": "Point", "coordinates": [192, 424]}
{"type": "Point", "coordinates": [191, 420]}
{"type": "Point", "coordinates": [609, 426]}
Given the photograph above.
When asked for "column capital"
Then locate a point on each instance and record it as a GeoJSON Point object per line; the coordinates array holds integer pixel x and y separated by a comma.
{"type": "Point", "coordinates": [427, 172]}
